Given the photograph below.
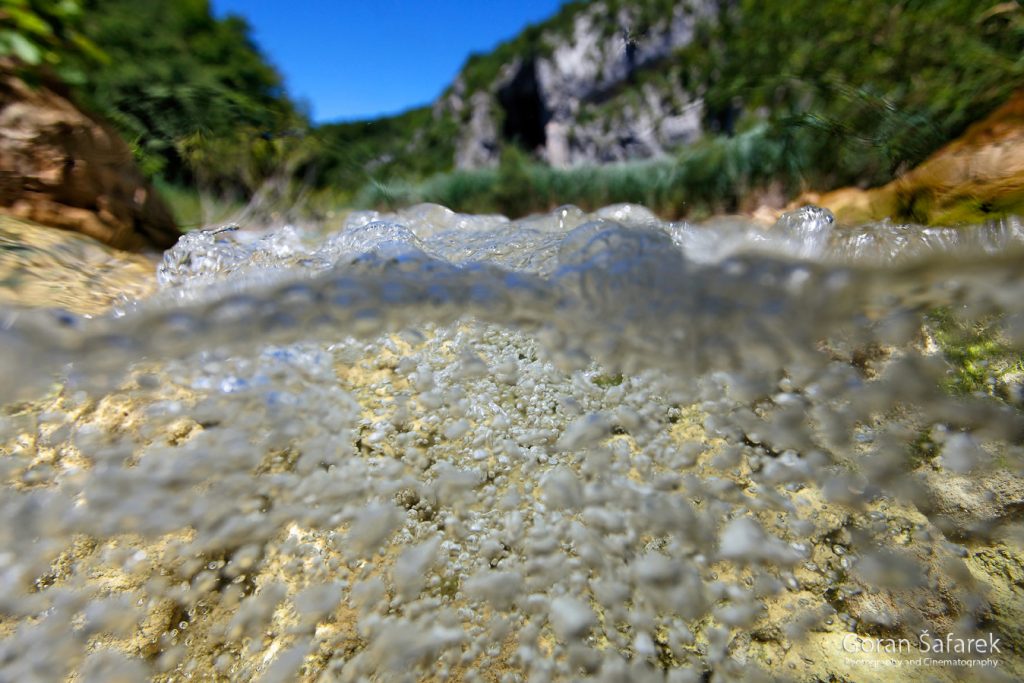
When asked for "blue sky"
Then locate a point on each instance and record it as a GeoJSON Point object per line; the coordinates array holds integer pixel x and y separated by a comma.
{"type": "Point", "coordinates": [353, 59]}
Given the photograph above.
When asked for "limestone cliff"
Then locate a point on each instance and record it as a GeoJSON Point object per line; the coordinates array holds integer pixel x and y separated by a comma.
{"type": "Point", "coordinates": [598, 87]}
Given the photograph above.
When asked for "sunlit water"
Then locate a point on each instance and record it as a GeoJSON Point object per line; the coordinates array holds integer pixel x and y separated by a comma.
{"type": "Point", "coordinates": [431, 445]}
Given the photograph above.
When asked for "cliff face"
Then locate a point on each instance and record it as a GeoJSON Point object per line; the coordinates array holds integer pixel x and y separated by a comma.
{"type": "Point", "coordinates": [603, 89]}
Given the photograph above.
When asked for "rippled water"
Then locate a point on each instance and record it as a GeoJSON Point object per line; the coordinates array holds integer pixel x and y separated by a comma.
{"type": "Point", "coordinates": [574, 445]}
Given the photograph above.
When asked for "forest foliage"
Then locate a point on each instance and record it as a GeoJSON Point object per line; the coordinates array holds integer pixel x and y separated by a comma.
{"type": "Point", "coordinates": [879, 85]}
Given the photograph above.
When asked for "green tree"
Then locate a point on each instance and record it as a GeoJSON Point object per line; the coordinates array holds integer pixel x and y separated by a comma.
{"type": "Point", "coordinates": [189, 91]}
{"type": "Point", "coordinates": [39, 34]}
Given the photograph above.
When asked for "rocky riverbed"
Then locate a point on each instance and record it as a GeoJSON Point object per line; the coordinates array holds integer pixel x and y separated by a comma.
{"type": "Point", "coordinates": [445, 447]}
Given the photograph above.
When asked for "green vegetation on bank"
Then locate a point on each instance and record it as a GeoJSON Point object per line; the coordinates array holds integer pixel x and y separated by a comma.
{"type": "Point", "coordinates": [412, 145]}
{"type": "Point", "coordinates": [193, 209]}
{"type": "Point", "coordinates": [205, 113]}
{"type": "Point", "coordinates": [877, 86]}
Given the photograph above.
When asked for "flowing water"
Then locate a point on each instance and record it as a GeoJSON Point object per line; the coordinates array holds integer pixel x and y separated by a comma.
{"type": "Point", "coordinates": [448, 447]}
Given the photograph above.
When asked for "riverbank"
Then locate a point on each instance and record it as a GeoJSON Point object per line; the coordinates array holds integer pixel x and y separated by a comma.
{"type": "Point", "coordinates": [977, 177]}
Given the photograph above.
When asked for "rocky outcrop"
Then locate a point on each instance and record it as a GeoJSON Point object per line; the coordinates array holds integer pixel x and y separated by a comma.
{"type": "Point", "coordinates": [972, 507]}
{"type": "Point", "coordinates": [651, 126]}
{"type": "Point", "coordinates": [479, 144]}
{"type": "Point", "coordinates": [978, 175]}
{"type": "Point", "coordinates": [61, 167]}
{"type": "Point", "coordinates": [581, 101]}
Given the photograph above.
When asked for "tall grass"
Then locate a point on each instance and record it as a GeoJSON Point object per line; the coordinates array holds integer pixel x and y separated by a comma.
{"type": "Point", "coordinates": [711, 176]}
{"type": "Point", "coordinates": [193, 209]}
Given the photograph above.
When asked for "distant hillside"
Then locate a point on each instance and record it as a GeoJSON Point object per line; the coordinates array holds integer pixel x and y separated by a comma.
{"type": "Point", "coordinates": [414, 144]}
{"type": "Point", "coordinates": [851, 93]}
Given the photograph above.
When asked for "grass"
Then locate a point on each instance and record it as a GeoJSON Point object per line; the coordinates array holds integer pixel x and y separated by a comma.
{"type": "Point", "coordinates": [195, 209]}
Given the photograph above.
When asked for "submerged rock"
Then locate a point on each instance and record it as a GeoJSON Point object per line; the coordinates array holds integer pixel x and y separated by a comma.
{"type": "Point", "coordinates": [973, 506]}
{"type": "Point", "coordinates": [43, 267]}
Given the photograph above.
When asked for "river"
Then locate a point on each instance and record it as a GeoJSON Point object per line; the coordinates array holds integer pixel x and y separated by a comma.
{"type": "Point", "coordinates": [428, 445]}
